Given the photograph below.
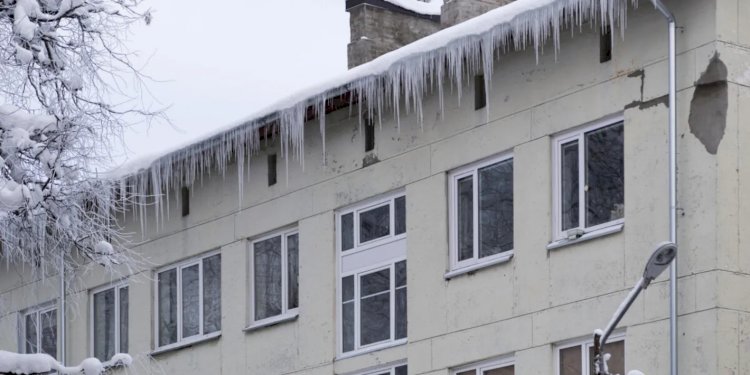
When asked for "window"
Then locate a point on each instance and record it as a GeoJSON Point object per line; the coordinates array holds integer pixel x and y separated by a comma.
{"type": "Point", "coordinates": [389, 370]}
{"type": "Point", "coordinates": [492, 367]}
{"type": "Point", "coordinates": [39, 327]}
{"type": "Point", "coordinates": [272, 170]}
{"type": "Point", "coordinates": [274, 262]}
{"type": "Point", "coordinates": [577, 358]}
{"type": "Point", "coordinates": [605, 44]}
{"type": "Point", "coordinates": [109, 321]}
{"type": "Point", "coordinates": [481, 212]}
{"type": "Point", "coordinates": [589, 167]}
{"type": "Point", "coordinates": [480, 94]}
{"type": "Point", "coordinates": [185, 200]}
{"type": "Point", "coordinates": [189, 301]}
{"type": "Point", "coordinates": [372, 270]}
{"type": "Point", "coordinates": [369, 135]}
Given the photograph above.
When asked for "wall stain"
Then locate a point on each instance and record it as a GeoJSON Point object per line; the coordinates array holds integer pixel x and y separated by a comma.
{"type": "Point", "coordinates": [641, 104]}
{"type": "Point", "coordinates": [708, 108]}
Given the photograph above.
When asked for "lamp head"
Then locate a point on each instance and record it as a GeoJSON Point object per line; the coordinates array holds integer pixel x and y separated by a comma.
{"type": "Point", "coordinates": [659, 261]}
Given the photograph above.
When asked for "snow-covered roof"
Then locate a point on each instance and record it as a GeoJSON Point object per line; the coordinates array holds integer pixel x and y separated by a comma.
{"type": "Point", "coordinates": [430, 8]}
{"type": "Point", "coordinates": [401, 76]}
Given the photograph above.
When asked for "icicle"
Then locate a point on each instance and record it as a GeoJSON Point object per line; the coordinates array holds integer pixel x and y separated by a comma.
{"type": "Point", "coordinates": [403, 81]}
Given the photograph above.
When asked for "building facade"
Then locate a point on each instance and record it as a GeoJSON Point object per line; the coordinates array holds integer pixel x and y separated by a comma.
{"type": "Point", "coordinates": [491, 238]}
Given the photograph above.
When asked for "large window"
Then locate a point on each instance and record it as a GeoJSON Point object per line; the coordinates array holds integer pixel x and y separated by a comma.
{"type": "Point", "coordinates": [39, 328]}
{"type": "Point", "coordinates": [389, 370]}
{"type": "Point", "coordinates": [481, 212]}
{"type": "Point", "coordinates": [274, 264]}
{"type": "Point", "coordinates": [189, 301]}
{"type": "Point", "coordinates": [109, 321]}
{"type": "Point", "coordinates": [372, 274]}
{"type": "Point", "coordinates": [589, 174]}
{"type": "Point", "coordinates": [578, 358]}
{"type": "Point", "coordinates": [491, 367]}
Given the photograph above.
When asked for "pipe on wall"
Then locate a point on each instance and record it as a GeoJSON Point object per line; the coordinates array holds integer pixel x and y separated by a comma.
{"type": "Point", "coordinates": [672, 182]}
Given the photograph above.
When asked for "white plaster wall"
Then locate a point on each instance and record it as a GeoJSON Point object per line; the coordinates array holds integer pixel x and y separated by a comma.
{"type": "Point", "coordinates": [519, 308]}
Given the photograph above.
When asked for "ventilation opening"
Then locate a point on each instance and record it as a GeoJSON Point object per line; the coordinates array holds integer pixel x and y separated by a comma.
{"type": "Point", "coordinates": [480, 94]}
{"type": "Point", "coordinates": [271, 170]}
{"type": "Point", "coordinates": [605, 45]}
{"type": "Point", "coordinates": [185, 201]}
{"type": "Point", "coordinates": [369, 135]}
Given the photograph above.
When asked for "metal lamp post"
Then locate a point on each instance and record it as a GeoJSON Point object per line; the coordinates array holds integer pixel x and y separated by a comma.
{"type": "Point", "coordinates": [659, 261]}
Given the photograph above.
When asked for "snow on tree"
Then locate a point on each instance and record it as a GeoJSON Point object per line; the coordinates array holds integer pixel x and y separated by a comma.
{"type": "Point", "coordinates": [62, 63]}
{"type": "Point", "coordinates": [24, 364]}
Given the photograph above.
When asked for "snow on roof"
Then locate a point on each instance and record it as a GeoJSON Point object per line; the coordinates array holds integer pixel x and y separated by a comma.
{"type": "Point", "coordinates": [430, 8]}
{"type": "Point", "coordinates": [400, 77]}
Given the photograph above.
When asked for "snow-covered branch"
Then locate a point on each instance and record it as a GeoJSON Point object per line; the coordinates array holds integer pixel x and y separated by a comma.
{"type": "Point", "coordinates": [61, 64]}
{"type": "Point", "coordinates": [25, 364]}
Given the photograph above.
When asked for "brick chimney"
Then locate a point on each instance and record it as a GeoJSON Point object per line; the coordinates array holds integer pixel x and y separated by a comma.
{"type": "Point", "coordinates": [378, 27]}
{"type": "Point", "coordinates": [457, 11]}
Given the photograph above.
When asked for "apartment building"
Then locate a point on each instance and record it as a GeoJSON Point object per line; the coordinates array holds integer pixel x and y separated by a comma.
{"type": "Point", "coordinates": [487, 235]}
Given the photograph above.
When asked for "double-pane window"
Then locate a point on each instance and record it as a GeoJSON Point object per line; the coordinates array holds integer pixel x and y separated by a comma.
{"type": "Point", "coordinates": [590, 179]}
{"type": "Point", "coordinates": [380, 221]}
{"type": "Point", "coordinates": [275, 272]}
{"type": "Point", "coordinates": [189, 300]}
{"type": "Point", "coordinates": [578, 359]}
{"type": "Point", "coordinates": [110, 321]}
{"type": "Point", "coordinates": [40, 331]}
{"type": "Point", "coordinates": [492, 367]}
{"type": "Point", "coordinates": [373, 293]}
{"type": "Point", "coordinates": [481, 212]}
{"type": "Point", "coordinates": [374, 307]}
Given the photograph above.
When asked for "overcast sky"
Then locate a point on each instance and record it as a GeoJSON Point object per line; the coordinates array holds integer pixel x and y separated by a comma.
{"type": "Point", "coordinates": [221, 60]}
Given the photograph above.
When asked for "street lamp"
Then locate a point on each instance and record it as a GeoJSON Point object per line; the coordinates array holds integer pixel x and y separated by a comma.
{"type": "Point", "coordinates": [659, 261]}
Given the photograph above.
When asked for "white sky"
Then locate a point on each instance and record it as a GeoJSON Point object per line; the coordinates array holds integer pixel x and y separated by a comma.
{"type": "Point", "coordinates": [220, 61]}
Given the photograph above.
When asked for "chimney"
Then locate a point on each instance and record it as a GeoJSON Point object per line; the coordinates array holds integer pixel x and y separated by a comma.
{"type": "Point", "coordinates": [457, 11]}
{"type": "Point", "coordinates": [380, 26]}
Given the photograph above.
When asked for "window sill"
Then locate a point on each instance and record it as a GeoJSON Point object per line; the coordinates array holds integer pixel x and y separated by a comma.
{"type": "Point", "coordinates": [606, 231]}
{"type": "Point", "coordinates": [271, 322]}
{"type": "Point", "coordinates": [460, 271]}
{"type": "Point", "coordinates": [186, 343]}
{"type": "Point", "coordinates": [373, 348]}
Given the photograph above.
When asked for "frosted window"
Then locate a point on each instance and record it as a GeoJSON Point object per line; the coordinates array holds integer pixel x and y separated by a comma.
{"type": "Point", "coordinates": [275, 275]}
{"type": "Point", "coordinates": [507, 370]}
{"type": "Point", "coordinates": [570, 361]}
{"type": "Point", "coordinates": [292, 244]}
{"type": "Point", "coordinates": [30, 336]}
{"type": "Point", "coordinates": [347, 284]}
{"type": "Point", "coordinates": [616, 363]}
{"type": "Point", "coordinates": [347, 231]}
{"type": "Point", "coordinates": [374, 223]}
{"type": "Point", "coordinates": [167, 289]}
{"type": "Point", "coordinates": [465, 219]}
{"type": "Point", "coordinates": [267, 273]}
{"type": "Point", "coordinates": [569, 175]}
{"type": "Point", "coordinates": [400, 217]}
{"type": "Point", "coordinates": [49, 332]}
{"type": "Point", "coordinates": [124, 314]}
{"type": "Point", "coordinates": [104, 324]}
{"type": "Point", "coordinates": [197, 306]}
{"type": "Point", "coordinates": [401, 370]}
{"type": "Point", "coordinates": [604, 175]}
{"type": "Point", "coordinates": [375, 311]}
{"type": "Point", "coordinates": [400, 317]}
{"type": "Point", "coordinates": [495, 208]}
{"type": "Point", "coordinates": [212, 294]}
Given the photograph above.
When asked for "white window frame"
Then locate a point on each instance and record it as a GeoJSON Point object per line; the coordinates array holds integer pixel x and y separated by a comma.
{"type": "Point", "coordinates": [578, 134]}
{"type": "Point", "coordinates": [475, 261]}
{"type": "Point", "coordinates": [286, 312]}
{"type": "Point", "coordinates": [585, 345]}
{"type": "Point", "coordinates": [366, 205]}
{"type": "Point", "coordinates": [391, 368]}
{"type": "Point", "coordinates": [491, 364]}
{"type": "Point", "coordinates": [38, 311]}
{"type": "Point", "coordinates": [183, 341]}
{"type": "Point", "coordinates": [117, 287]}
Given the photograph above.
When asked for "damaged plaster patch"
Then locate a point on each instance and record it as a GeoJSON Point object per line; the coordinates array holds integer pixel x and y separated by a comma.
{"type": "Point", "coordinates": [708, 109]}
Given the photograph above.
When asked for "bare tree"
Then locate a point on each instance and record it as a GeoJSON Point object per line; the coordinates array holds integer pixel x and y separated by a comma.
{"type": "Point", "coordinates": [62, 66]}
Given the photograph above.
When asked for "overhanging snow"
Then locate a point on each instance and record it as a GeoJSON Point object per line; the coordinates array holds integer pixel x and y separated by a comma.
{"type": "Point", "coordinates": [431, 8]}
{"type": "Point", "coordinates": [401, 76]}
